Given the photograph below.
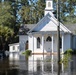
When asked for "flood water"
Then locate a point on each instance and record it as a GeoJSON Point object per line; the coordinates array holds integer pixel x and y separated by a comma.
{"type": "Point", "coordinates": [17, 64]}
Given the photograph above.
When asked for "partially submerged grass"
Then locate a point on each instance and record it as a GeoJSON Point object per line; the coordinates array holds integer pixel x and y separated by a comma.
{"type": "Point", "coordinates": [67, 57]}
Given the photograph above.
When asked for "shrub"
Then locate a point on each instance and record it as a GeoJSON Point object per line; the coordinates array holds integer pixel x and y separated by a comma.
{"type": "Point", "coordinates": [67, 56]}
{"type": "Point", "coordinates": [27, 52]}
{"type": "Point", "coordinates": [68, 51]}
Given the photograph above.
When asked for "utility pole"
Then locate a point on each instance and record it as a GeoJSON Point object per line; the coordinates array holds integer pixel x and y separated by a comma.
{"type": "Point", "coordinates": [58, 35]}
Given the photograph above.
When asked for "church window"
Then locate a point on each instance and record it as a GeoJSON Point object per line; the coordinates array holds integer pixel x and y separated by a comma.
{"type": "Point", "coordinates": [49, 4]}
{"type": "Point", "coordinates": [38, 42]}
{"type": "Point", "coordinates": [48, 39]}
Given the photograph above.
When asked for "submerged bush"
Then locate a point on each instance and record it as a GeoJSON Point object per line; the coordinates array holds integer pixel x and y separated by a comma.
{"type": "Point", "coordinates": [27, 52]}
{"type": "Point", "coordinates": [67, 57]}
{"type": "Point", "coordinates": [68, 51]}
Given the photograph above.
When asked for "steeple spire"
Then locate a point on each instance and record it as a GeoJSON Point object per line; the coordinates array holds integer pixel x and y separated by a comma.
{"type": "Point", "coordinates": [49, 7]}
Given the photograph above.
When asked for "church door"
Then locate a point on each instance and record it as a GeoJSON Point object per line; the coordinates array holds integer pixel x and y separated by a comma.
{"type": "Point", "coordinates": [48, 44]}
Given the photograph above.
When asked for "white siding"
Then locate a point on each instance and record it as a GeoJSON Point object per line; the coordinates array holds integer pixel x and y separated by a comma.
{"type": "Point", "coordinates": [46, 25]}
{"type": "Point", "coordinates": [47, 45]}
{"type": "Point", "coordinates": [49, 27]}
{"type": "Point", "coordinates": [67, 42]}
{"type": "Point", "coordinates": [14, 48]}
{"type": "Point", "coordinates": [30, 41]}
{"type": "Point", "coordinates": [55, 43]}
{"type": "Point", "coordinates": [22, 42]}
{"type": "Point", "coordinates": [35, 43]}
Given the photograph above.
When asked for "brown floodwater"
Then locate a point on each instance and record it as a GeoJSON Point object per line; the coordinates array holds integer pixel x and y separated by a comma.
{"type": "Point", "coordinates": [37, 65]}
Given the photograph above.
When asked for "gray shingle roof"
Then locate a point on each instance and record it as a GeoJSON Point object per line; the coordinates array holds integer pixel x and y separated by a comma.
{"type": "Point", "coordinates": [25, 28]}
{"type": "Point", "coordinates": [71, 27]}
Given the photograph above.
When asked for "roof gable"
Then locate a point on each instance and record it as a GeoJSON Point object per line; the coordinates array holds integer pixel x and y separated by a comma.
{"type": "Point", "coordinates": [49, 23]}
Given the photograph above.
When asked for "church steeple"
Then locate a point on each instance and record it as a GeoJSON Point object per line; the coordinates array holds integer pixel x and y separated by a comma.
{"type": "Point", "coordinates": [49, 6]}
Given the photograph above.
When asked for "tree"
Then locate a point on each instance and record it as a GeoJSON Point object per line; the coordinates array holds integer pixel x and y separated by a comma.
{"type": "Point", "coordinates": [5, 34]}
{"type": "Point", "coordinates": [40, 8]}
{"type": "Point", "coordinates": [67, 10]}
{"type": "Point", "coordinates": [6, 23]}
{"type": "Point", "coordinates": [34, 12]}
{"type": "Point", "coordinates": [6, 19]}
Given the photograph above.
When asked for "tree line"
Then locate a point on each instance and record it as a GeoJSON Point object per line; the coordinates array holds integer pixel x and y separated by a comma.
{"type": "Point", "coordinates": [13, 13]}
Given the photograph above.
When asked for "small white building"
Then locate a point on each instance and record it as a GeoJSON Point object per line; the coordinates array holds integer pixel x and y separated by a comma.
{"type": "Point", "coordinates": [14, 51]}
{"type": "Point", "coordinates": [43, 37]}
{"type": "Point", "coordinates": [14, 47]}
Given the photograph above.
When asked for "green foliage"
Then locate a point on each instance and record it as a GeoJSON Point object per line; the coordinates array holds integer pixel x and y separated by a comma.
{"type": "Point", "coordinates": [69, 51]}
{"type": "Point", "coordinates": [5, 16]}
{"type": "Point", "coordinates": [65, 60]}
{"type": "Point", "coordinates": [7, 24]}
{"type": "Point", "coordinates": [5, 32]}
{"type": "Point", "coordinates": [33, 12]}
{"type": "Point", "coordinates": [27, 52]}
{"type": "Point", "coordinates": [66, 57]}
{"type": "Point", "coordinates": [67, 10]}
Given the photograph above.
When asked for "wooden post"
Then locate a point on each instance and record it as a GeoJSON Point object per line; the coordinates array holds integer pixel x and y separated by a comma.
{"type": "Point", "coordinates": [58, 35]}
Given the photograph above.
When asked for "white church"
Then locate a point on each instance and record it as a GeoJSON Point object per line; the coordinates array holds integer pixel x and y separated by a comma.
{"type": "Point", "coordinates": [42, 37]}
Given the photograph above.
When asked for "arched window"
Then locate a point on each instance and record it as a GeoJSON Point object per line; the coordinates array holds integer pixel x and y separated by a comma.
{"type": "Point", "coordinates": [26, 45]}
{"type": "Point", "coordinates": [38, 42]}
{"type": "Point", "coordinates": [60, 42]}
{"type": "Point", "coordinates": [49, 4]}
{"type": "Point", "coordinates": [48, 39]}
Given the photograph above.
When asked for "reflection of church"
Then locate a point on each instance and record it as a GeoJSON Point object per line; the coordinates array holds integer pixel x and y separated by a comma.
{"type": "Point", "coordinates": [47, 65]}
{"type": "Point", "coordinates": [43, 64]}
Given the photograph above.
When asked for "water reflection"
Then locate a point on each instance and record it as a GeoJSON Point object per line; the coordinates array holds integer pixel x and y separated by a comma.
{"type": "Point", "coordinates": [35, 65]}
{"type": "Point", "coordinates": [6, 68]}
{"type": "Point", "coordinates": [47, 65]}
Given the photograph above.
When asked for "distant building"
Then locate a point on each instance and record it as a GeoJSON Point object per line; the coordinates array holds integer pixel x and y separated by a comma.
{"type": "Point", "coordinates": [14, 51]}
{"type": "Point", "coordinates": [14, 47]}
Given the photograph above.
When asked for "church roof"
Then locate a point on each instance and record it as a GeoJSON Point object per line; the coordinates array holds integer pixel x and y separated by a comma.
{"type": "Point", "coordinates": [49, 23]}
{"type": "Point", "coordinates": [25, 28]}
{"type": "Point", "coordinates": [71, 27]}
